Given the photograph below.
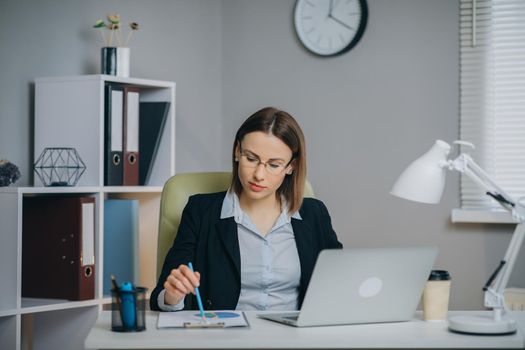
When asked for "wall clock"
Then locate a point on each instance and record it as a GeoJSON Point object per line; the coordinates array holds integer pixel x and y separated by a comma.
{"type": "Point", "coordinates": [330, 27]}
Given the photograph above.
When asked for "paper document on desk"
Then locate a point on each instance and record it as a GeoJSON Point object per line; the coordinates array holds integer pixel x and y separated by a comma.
{"type": "Point", "coordinates": [192, 319]}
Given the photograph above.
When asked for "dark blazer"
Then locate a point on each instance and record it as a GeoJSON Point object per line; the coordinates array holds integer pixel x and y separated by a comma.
{"type": "Point", "coordinates": [212, 245]}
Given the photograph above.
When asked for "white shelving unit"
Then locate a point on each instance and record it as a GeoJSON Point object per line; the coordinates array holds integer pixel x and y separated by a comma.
{"type": "Point", "coordinates": [69, 112]}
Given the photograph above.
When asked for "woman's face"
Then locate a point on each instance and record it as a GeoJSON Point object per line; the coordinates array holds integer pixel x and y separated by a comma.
{"type": "Point", "coordinates": [263, 164]}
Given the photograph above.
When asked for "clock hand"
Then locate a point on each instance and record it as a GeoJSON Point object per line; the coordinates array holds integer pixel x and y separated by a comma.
{"type": "Point", "coordinates": [342, 23]}
{"type": "Point", "coordinates": [331, 8]}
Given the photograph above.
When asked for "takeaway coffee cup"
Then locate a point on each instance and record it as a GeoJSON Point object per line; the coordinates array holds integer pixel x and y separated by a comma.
{"type": "Point", "coordinates": [436, 295]}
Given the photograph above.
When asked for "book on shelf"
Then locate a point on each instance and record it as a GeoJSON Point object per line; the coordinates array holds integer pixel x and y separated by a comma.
{"type": "Point", "coordinates": [131, 137]}
{"type": "Point", "coordinates": [113, 133]}
{"type": "Point", "coordinates": [152, 119]}
{"type": "Point", "coordinates": [58, 247]}
{"type": "Point", "coordinates": [121, 230]}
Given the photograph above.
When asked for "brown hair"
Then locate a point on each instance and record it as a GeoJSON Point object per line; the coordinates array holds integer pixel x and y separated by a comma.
{"type": "Point", "coordinates": [283, 126]}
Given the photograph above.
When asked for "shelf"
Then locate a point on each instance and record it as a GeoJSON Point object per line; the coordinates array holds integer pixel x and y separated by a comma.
{"type": "Point", "coordinates": [77, 104]}
{"type": "Point", "coordinates": [51, 190]}
{"type": "Point", "coordinates": [144, 83]}
{"type": "Point", "coordinates": [70, 112]}
{"type": "Point", "coordinates": [33, 305]}
{"type": "Point", "coordinates": [10, 312]}
{"type": "Point", "coordinates": [132, 189]}
{"type": "Point", "coordinates": [61, 329]}
{"type": "Point", "coordinates": [82, 189]}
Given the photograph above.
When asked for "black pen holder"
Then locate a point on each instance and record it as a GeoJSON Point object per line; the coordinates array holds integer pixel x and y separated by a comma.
{"type": "Point", "coordinates": [128, 310]}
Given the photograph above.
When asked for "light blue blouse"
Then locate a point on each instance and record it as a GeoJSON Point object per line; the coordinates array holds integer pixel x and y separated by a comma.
{"type": "Point", "coordinates": [270, 266]}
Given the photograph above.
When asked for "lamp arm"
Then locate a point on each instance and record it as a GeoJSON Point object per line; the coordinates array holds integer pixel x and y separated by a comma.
{"type": "Point", "coordinates": [497, 282]}
{"type": "Point", "coordinates": [466, 165]}
{"type": "Point", "coordinates": [511, 254]}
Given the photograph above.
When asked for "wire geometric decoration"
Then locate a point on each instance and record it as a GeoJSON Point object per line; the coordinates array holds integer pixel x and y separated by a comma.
{"type": "Point", "coordinates": [59, 166]}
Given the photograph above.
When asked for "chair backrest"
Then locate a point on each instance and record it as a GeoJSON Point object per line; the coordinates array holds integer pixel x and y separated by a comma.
{"type": "Point", "coordinates": [174, 197]}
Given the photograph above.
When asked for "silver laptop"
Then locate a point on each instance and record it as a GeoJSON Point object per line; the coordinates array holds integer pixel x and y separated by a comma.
{"type": "Point", "coordinates": [362, 286]}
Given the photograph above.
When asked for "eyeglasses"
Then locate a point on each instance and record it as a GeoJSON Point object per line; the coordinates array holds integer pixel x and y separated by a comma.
{"type": "Point", "coordinates": [273, 167]}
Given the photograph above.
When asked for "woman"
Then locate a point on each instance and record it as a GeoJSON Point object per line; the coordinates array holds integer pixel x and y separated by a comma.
{"type": "Point", "coordinates": [253, 247]}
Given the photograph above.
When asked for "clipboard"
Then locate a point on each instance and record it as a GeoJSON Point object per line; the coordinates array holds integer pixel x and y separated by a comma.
{"type": "Point", "coordinates": [191, 319]}
{"type": "Point", "coordinates": [203, 325]}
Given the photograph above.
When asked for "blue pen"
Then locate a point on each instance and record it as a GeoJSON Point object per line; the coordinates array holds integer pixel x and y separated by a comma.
{"type": "Point", "coordinates": [127, 298]}
{"type": "Point", "coordinates": [198, 295]}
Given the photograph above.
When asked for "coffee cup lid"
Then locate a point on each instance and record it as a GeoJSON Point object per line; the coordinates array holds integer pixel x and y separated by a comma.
{"type": "Point", "coordinates": [439, 275]}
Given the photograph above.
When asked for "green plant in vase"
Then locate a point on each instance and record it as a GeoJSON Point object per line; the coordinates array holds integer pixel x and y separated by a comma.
{"type": "Point", "coordinates": [114, 26]}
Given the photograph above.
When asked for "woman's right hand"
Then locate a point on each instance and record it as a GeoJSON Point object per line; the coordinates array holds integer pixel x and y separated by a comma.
{"type": "Point", "coordinates": [180, 281]}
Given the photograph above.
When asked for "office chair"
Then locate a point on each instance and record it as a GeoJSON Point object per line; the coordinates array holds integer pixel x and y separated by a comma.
{"type": "Point", "coordinates": [174, 197]}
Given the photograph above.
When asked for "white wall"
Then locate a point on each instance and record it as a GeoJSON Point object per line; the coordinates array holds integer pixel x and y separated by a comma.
{"type": "Point", "coordinates": [365, 114]}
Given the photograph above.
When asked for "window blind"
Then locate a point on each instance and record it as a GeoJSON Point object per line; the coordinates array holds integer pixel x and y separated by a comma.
{"type": "Point", "coordinates": [492, 95]}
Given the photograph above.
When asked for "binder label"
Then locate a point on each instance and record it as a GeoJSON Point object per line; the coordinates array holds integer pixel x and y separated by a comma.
{"type": "Point", "coordinates": [132, 125]}
{"type": "Point", "coordinates": [88, 234]}
{"type": "Point", "coordinates": [116, 120]}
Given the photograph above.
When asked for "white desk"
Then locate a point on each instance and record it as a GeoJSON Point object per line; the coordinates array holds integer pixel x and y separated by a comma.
{"type": "Point", "coordinates": [264, 334]}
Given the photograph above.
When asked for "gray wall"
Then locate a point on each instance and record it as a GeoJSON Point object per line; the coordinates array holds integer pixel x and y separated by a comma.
{"type": "Point", "coordinates": [365, 114]}
{"type": "Point", "coordinates": [178, 41]}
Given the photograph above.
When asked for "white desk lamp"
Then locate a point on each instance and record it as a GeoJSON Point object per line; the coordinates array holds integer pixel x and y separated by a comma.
{"type": "Point", "coordinates": [423, 181]}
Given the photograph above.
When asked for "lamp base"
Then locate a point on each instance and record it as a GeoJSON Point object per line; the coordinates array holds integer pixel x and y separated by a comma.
{"type": "Point", "coordinates": [481, 325]}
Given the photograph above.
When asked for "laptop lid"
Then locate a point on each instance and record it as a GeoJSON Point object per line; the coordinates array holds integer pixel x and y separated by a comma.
{"type": "Point", "coordinates": [365, 286]}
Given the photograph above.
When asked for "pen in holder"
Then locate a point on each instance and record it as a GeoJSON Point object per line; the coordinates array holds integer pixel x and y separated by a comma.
{"type": "Point", "coordinates": [128, 306]}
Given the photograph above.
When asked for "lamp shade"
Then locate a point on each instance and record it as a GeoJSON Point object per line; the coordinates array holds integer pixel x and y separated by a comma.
{"type": "Point", "coordinates": [424, 180]}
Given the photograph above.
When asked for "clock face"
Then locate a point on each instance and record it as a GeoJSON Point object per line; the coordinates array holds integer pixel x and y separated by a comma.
{"type": "Point", "coordinates": [330, 27]}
